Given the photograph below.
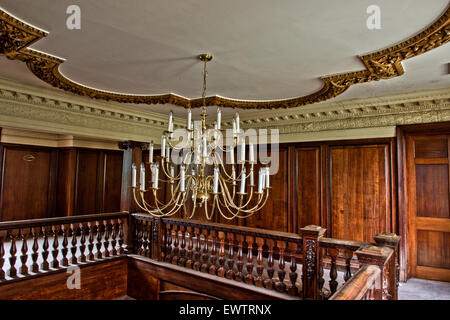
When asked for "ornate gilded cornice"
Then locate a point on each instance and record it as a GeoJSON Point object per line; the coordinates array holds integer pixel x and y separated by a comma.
{"type": "Point", "coordinates": [16, 36]}
{"type": "Point", "coordinates": [35, 109]}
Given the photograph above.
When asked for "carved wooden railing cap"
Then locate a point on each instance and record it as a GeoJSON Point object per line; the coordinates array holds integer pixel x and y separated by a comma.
{"type": "Point", "coordinates": [313, 230]}
{"type": "Point", "coordinates": [387, 238]}
{"type": "Point", "coordinates": [373, 254]}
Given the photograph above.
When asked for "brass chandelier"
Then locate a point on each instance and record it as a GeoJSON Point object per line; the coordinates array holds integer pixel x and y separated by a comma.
{"type": "Point", "coordinates": [201, 173]}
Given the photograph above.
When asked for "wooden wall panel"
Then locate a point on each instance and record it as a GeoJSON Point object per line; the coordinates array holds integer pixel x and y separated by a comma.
{"type": "Point", "coordinates": [112, 181]}
{"type": "Point", "coordinates": [103, 281]}
{"type": "Point", "coordinates": [86, 185]}
{"type": "Point", "coordinates": [307, 186]}
{"type": "Point", "coordinates": [27, 186]}
{"type": "Point", "coordinates": [275, 214]}
{"type": "Point", "coordinates": [66, 182]}
{"type": "Point", "coordinates": [432, 190]}
{"type": "Point", "coordinates": [359, 184]}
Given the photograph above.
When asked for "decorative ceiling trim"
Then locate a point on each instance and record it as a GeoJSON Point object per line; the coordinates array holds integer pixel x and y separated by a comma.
{"type": "Point", "coordinates": [29, 109]}
{"type": "Point", "coordinates": [16, 36]}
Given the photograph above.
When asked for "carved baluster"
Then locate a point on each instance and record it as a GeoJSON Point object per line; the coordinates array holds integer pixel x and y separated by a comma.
{"type": "Point", "coordinates": [240, 257]}
{"type": "Point", "coordinates": [98, 243]}
{"type": "Point", "coordinates": [91, 227]}
{"type": "Point", "coordinates": [64, 250]}
{"type": "Point", "coordinates": [113, 237]}
{"type": "Point", "coordinates": [230, 262]}
{"type": "Point", "coordinates": [190, 246]}
{"type": "Point", "coordinates": [73, 243]}
{"type": "Point", "coordinates": [35, 249]}
{"type": "Point", "coordinates": [146, 234]}
{"type": "Point", "coordinates": [249, 277]}
{"type": "Point", "coordinates": [213, 267]}
{"type": "Point", "coordinates": [45, 245]}
{"type": "Point", "coordinates": [281, 286]}
{"type": "Point", "coordinates": [221, 270]}
{"type": "Point", "coordinates": [176, 243]}
{"type": "Point", "coordinates": [169, 243]}
{"type": "Point", "coordinates": [12, 252]}
{"type": "Point", "coordinates": [182, 260]}
{"type": "Point", "coordinates": [82, 242]}
{"type": "Point", "coordinates": [121, 235]}
{"type": "Point", "coordinates": [197, 254]}
{"type": "Point", "coordinates": [348, 255]}
{"type": "Point", "coordinates": [321, 271]}
{"type": "Point", "coordinates": [292, 290]}
{"type": "Point", "coordinates": [139, 237]}
{"type": "Point", "coordinates": [205, 255]}
{"type": "Point", "coordinates": [55, 246]}
{"type": "Point", "coordinates": [259, 260]}
{"type": "Point", "coordinates": [106, 238]}
{"type": "Point", "coordinates": [24, 250]}
{"type": "Point", "coordinates": [2, 258]}
{"type": "Point", "coordinates": [269, 283]}
{"type": "Point", "coordinates": [333, 271]}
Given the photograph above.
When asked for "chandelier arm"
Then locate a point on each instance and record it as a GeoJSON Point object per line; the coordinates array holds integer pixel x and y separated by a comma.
{"type": "Point", "coordinates": [247, 215]}
{"type": "Point", "coordinates": [254, 208]}
{"type": "Point", "coordinates": [166, 173]}
{"type": "Point", "coordinates": [174, 209]}
{"type": "Point", "coordinates": [154, 212]}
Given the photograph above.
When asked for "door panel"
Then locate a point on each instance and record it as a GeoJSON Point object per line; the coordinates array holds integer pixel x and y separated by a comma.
{"type": "Point", "coordinates": [428, 189]}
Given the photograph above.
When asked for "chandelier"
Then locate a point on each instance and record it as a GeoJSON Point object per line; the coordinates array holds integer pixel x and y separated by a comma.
{"type": "Point", "coordinates": [210, 174]}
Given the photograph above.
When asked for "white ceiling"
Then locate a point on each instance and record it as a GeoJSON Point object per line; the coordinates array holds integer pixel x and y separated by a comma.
{"type": "Point", "coordinates": [263, 50]}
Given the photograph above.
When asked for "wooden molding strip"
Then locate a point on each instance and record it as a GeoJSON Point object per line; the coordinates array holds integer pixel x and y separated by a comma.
{"type": "Point", "coordinates": [17, 36]}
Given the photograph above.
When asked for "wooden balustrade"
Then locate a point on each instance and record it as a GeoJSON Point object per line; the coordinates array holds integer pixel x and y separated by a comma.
{"type": "Point", "coordinates": [265, 258]}
{"type": "Point", "coordinates": [40, 245]}
{"type": "Point", "coordinates": [296, 265]}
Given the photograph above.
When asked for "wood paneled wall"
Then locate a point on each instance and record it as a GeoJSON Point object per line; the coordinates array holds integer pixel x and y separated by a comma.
{"type": "Point", "coordinates": [347, 187]}
{"type": "Point", "coordinates": [40, 182]}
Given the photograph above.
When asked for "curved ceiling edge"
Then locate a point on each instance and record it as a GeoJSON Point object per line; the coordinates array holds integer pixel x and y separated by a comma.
{"type": "Point", "coordinates": [17, 36]}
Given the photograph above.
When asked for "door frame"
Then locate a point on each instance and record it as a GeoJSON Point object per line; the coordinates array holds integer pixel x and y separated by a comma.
{"type": "Point", "coordinates": [403, 193]}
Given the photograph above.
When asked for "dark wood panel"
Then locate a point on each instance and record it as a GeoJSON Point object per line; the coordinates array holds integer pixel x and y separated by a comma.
{"type": "Point", "coordinates": [170, 291]}
{"type": "Point", "coordinates": [431, 147]}
{"type": "Point", "coordinates": [307, 186]}
{"type": "Point", "coordinates": [66, 182]}
{"type": "Point", "coordinates": [359, 191]}
{"type": "Point", "coordinates": [103, 281]}
{"type": "Point", "coordinates": [112, 181]}
{"type": "Point", "coordinates": [86, 191]}
{"type": "Point", "coordinates": [432, 190]}
{"type": "Point", "coordinates": [275, 214]}
{"type": "Point", "coordinates": [433, 249]}
{"type": "Point", "coordinates": [27, 183]}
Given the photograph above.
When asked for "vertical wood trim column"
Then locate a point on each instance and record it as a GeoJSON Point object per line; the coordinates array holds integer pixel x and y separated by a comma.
{"type": "Point", "coordinates": [311, 264]}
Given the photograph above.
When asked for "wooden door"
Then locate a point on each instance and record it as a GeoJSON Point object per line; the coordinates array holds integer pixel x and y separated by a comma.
{"type": "Point", "coordinates": [428, 176]}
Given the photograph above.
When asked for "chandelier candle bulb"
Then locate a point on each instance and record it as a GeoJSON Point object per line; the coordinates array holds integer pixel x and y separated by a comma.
{"type": "Point", "coordinates": [232, 154]}
{"type": "Point", "coordinates": [237, 123]}
{"type": "Point", "coordinates": [163, 146]}
{"type": "Point", "coordinates": [142, 177]}
{"type": "Point", "coordinates": [189, 120]}
{"type": "Point", "coordinates": [251, 154]}
{"type": "Point", "coordinates": [233, 175]}
{"type": "Point", "coordinates": [242, 159]}
{"type": "Point", "coordinates": [216, 180]}
{"type": "Point", "coordinates": [219, 118]}
{"type": "Point", "coordinates": [170, 127]}
{"type": "Point", "coordinates": [234, 128]}
{"type": "Point", "coordinates": [133, 175]}
{"type": "Point", "coordinates": [260, 180]}
{"type": "Point", "coordinates": [205, 146]}
{"type": "Point", "coordinates": [168, 153]}
{"type": "Point", "coordinates": [243, 181]}
{"type": "Point", "coordinates": [172, 174]}
{"type": "Point", "coordinates": [150, 153]}
{"type": "Point", "coordinates": [155, 184]}
{"type": "Point", "coordinates": [182, 177]}
{"type": "Point", "coordinates": [267, 177]}
{"type": "Point", "coordinates": [252, 180]}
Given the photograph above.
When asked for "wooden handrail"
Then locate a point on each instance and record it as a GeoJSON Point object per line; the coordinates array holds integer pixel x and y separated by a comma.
{"type": "Point", "coordinates": [262, 233]}
{"type": "Point", "coordinates": [341, 244]}
{"type": "Point", "coordinates": [21, 224]}
{"type": "Point", "coordinates": [361, 285]}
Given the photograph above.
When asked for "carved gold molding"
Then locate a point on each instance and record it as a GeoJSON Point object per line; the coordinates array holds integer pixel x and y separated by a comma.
{"type": "Point", "coordinates": [34, 109]}
{"type": "Point", "coordinates": [16, 36]}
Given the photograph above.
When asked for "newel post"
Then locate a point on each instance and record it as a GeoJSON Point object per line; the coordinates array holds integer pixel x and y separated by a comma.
{"type": "Point", "coordinates": [378, 256]}
{"type": "Point", "coordinates": [311, 261]}
{"type": "Point", "coordinates": [392, 269]}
